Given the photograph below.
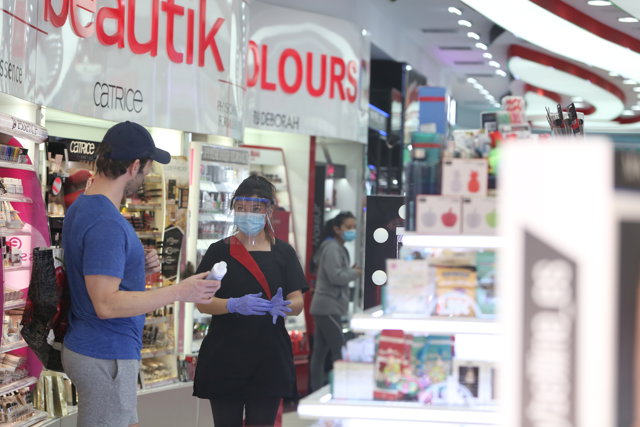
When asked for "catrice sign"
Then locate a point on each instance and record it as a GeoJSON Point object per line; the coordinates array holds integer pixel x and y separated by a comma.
{"type": "Point", "coordinates": [306, 73]}
{"type": "Point", "coordinates": [168, 63]}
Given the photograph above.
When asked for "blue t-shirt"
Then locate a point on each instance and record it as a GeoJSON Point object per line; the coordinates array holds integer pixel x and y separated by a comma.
{"type": "Point", "coordinates": [97, 239]}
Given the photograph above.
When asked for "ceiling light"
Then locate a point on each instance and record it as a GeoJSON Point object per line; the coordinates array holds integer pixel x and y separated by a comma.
{"type": "Point", "coordinates": [628, 113]}
{"type": "Point", "coordinates": [481, 46]}
{"type": "Point", "coordinates": [408, 67]}
{"type": "Point", "coordinates": [487, 55]}
{"type": "Point", "coordinates": [630, 82]}
{"type": "Point", "coordinates": [501, 73]}
{"type": "Point", "coordinates": [464, 23]}
{"type": "Point", "coordinates": [494, 64]}
{"type": "Point", "coordinates": [473, 35]}
{"type": "Point", "coordinates": [471, 80]}
{"type": "Point", "coordinates": [497, 105]}
{"type": "Point", "coordinates": [591, 49]}
{"type": "Point", "coordinates": [628, 19]}
{"type": "Point", "coordinates": [455, 10]}
{"type": "Point", "coordinates": [599, 3]}
{"type": "Point", "coordinates": [484, 91]}
{"type": "Point", "coordinates": [478, 86]}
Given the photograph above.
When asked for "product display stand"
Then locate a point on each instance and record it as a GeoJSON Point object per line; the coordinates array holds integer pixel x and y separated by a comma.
{"type": "Point", "coordinates": [216, 172]}
{"type": "Point", "coordinates": [23, 226]}
{"type": "Point", "coordinates": [475, 339]}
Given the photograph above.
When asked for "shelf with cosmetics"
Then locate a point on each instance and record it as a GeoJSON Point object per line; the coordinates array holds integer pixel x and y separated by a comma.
{"type": "Point", "coordinates": [23, 226]}
{"type": "Point", "coordinates": [216, 172]}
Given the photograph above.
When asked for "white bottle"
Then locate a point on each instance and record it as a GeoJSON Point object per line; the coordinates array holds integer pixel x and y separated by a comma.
{"type": "Point", "coordinates": [218, 271]}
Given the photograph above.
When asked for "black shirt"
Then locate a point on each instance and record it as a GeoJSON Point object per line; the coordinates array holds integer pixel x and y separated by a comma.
{"type": "Point", "coordinates": [249, 356]}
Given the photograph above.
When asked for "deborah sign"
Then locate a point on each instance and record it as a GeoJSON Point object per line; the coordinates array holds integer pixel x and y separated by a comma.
{"type": "Point", "coordinates": [168, 63]}
{"type": "Point", "coordinates": [306, 73]}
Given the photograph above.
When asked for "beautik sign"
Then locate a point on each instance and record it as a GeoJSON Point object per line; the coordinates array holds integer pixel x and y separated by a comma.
{"type": "Point", "coordinates": [200, 34]}
{"type": "Point", "coordinates": [163, 63]}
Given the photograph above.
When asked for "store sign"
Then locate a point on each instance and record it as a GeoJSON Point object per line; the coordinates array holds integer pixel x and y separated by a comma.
{"type": "Point", "coordinates": [307, 74]}
{"type": "Point", "coordinates": [167, 63]}
{"type": "Point", "coordinates": [17, 46]}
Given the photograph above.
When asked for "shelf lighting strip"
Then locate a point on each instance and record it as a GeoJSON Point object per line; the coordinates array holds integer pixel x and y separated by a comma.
{"type": "Point", "coordinates": [320, 405]}
{"type": "Point", "coordinates": [406, 322]}
{"type": "Point", "coordinates": [457, 241]}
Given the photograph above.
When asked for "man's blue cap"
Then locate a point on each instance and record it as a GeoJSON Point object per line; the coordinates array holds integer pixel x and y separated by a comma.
{"type": "Point", "coordinates": [130, 141]}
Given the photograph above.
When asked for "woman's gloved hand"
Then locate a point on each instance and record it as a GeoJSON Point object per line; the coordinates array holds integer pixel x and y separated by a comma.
{"type": "Point", "coordinates": [279, 306]}
{"type": "Point", "coordinates": [249, 305]}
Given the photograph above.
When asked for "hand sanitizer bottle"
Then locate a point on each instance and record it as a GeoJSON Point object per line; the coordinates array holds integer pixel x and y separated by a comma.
{"type": "Point", "coordinates": [218, 271]}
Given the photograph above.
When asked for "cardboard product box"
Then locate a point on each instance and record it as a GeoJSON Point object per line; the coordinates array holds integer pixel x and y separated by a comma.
{"type": "Point", "coordinates": [438, 214]}
{"type": "Point", "coordinates": [479, 216]}
{"type": "Point", "coordinates": [353, 380]}
{"type": "Point", "coordinates": [456, 292]}
{"type": "Point", "coordinates": [478, 378]}
{"type": "Point", "coordinates": [393, 361]}
{"type": "Point", "coordinates": [465, 177]}
{"type": "Point", "coordinates": [409, 288]}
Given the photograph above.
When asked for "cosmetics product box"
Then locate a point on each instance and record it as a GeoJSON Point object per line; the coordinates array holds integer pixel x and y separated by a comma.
{"type": "Point", "coordinates": [465, 177]}
{"type": "Point", "coordinates": [479, 216]}
{"type": "Point", "coordinates": [438, 214]}
{"type": "Point", "coordinates": [353, 380]}
{"type": "Point", "coordinates": [409, 288]}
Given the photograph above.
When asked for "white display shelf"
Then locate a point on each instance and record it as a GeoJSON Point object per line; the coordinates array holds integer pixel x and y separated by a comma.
{"type": "Point", "coordinates": [147, 354]}
{"type": "Point", "coordinates": [17, 268]}
{"type": "Point", "coordinates": [320, 405]}
{"type": "Point", "coordinates": [10, 197]}
{"type": "Point", "coordinates": [173, 384]}
{"type": "Point", "coordinates": [17, 385]}
{"type": "Point", "coordinates": [453, 241]}
{"type": "Point", "coordinates": [36, 417]}
{"type": "Point", "coordinates": [12, 231]}
{"type": "Point", "coordinates": [374, 319]}
{"type": "Point", "coordinates": [13, 346]}
{"type": "Point", "coordinates": [17, 303]}
{"type": "Point", "coordinates": [15, 165]}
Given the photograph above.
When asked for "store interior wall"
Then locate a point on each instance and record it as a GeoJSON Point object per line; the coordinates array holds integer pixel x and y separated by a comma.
{"type": "Point", "coordinates": [297, 149]}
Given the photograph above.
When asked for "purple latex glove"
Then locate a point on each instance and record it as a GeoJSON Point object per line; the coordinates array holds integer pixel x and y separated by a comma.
{"type": "Point", "coordinates": [279, 306]}
{"type": "Point", "coordinates": [249, 305]}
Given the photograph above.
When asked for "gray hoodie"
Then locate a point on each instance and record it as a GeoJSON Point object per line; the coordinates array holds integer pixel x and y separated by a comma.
{"type": "Point", "coordinates": [331, 294]}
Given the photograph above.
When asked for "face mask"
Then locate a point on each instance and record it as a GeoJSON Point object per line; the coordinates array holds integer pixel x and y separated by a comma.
{"type": "Point", "coordinates": [349, 235]}
{"type": "Point", "coordinates": [249, 223]}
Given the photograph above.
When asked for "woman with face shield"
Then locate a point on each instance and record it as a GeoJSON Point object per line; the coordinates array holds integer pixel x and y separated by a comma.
{"type": "Point", "coordinates": [245, 365]}
{"type": "Point", "coordinates": [331, 295]}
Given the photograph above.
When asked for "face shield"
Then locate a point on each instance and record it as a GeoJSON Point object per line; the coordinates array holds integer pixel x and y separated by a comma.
{"type": "Point", "coordinates": [251, 214]}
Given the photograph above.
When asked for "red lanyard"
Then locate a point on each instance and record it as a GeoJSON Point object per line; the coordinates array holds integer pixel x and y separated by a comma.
{"type": "Point", "coordinates": [240, 254]}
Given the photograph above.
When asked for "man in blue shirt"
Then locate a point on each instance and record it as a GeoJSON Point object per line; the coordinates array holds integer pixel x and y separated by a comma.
{"type": "Point", "coordinates": [106, 267]}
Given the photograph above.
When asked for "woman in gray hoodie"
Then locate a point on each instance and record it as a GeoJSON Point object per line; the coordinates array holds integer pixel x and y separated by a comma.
{"type": "Point", "coordinates": [331, 295]}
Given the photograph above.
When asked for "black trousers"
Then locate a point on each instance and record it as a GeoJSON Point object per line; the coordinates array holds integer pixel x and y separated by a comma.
{"type": "Point", "coordinates": [259, 412]}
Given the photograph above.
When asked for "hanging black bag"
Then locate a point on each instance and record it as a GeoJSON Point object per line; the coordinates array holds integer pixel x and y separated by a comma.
{"type": "Point", "coordinates": [44, 321]}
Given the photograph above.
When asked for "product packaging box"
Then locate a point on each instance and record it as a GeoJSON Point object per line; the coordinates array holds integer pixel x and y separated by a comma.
{"type": "Point", "coordinates": [393, 360]}
{"type": "Point", "coordinates": [408, 289]}
{"type": "Point", "coordinates": [352, 380]}
{"type": "Point", "coordinates": [477, 378]}
{"type": "Point", "coordinates": [456, 292]}
{"type": "Point", "coordinates": [465, 177]}
{"type": "Point", "coordinates": [438, 214]}
{"type": "Point", "coordinates": [479, 216]}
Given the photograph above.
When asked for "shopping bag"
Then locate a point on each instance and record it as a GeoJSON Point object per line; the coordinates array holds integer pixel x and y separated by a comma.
{"type": "Point", "coordinates": [44, 321]}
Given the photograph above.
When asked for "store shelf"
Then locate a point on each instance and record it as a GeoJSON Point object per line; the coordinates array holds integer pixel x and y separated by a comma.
{"type": "Point", "coordinates": [35, 418]}
{"type": "Point", "coordinates": [321, 405]}
{"type": "Point", "coordinates": [143, 206]}
{"type": "Point", "coordinates": [10, 197]}
{"type": "Point", "coordinates": [13, 346]}
{"type": "Point", "coordinates": [17, 268]}
{"type": "Point", "coordinates": [375, 320]}
{"type": "Point", "coordinates": [14, 165]}
{"type": "Point", "coordinates": [168, 385]}
{"type": "Point", "coordinates": [155, 320]}
{"type": "Point", "coordinates": [209, 217]}
{"type": "Point", "coordinates": [148, 234]}
{"type": "Point", "coordinates": [4, 232]}
{"type": "Point", "coordinates": [453, 241]}
{"type": "Point", "coordinates": [13, 304]}
{"type": "Point", "coordinates": [146, 354]}
{"type": "Point", "coordinates": [17, 385]}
